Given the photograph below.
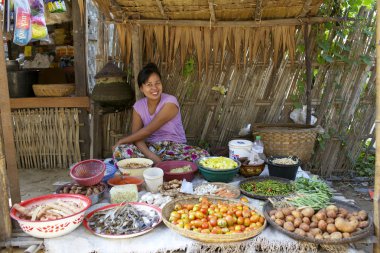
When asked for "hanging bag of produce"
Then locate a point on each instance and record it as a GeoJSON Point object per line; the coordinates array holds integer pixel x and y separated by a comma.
{"type": "Point", "coordinates": [39, 29]}
{"type": "Point", "coordinates": [22, 31]}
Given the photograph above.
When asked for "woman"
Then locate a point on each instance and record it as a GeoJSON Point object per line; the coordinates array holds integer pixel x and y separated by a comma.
{"type": "Point", "coordinates": [157, 130]}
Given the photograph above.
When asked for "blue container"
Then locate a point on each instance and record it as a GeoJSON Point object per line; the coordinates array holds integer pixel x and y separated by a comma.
{"type": "Point", "coordinates": [110, 169]}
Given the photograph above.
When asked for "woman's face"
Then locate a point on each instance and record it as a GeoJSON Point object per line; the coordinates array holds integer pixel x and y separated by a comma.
{"type": "Point", "coordinates": [152, 88]}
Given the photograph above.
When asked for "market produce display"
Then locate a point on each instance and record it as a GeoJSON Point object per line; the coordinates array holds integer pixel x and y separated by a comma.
{"type": "Point", "coordinates": [80, 189]}
{"type": "Point", "coordinates": [171, 188]}
{"type": "Point", "coordinates": [123, 221]}
{"type": "Point", "coordinates": [336, 223]}
{"type": "Point", "coordinates": [217, 189]}
{"type": "Point", "coordinates": [265, 187]}
{"type": "Point", "coordinates": [183, 169]}
{"type": "Point", "coordinates": [213, 219]}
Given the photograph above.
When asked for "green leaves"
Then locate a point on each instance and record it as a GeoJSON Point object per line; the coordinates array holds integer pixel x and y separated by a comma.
{"type": "Point", "coordinates": [366, 59]}
{"type": "Point", "coordinates": [188, 69]}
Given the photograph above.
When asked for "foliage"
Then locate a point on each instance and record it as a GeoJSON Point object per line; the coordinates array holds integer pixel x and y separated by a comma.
{"type": "Point", "coordinates": [188, 69]}
{"type": "Point", "coordinates": [365, 164]}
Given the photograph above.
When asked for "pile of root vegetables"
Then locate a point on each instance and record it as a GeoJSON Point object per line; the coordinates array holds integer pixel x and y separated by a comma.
{"type": "Point", "coordinates": [330, 223]}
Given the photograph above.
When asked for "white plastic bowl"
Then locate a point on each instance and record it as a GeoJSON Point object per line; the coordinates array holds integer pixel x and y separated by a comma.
{"type": "Point", "coordinates": [125, 168]}
{"type": "Point", "coordinates": [53, 228]}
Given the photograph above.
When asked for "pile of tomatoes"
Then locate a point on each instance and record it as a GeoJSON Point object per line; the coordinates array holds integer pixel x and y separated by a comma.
{"type": "Point", "coordinates": [216, 218]}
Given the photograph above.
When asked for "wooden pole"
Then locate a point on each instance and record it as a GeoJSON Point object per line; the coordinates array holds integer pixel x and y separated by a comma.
{"type": "Point", "coordinates": [7, 129]}
{"type": "Point", "coordinates": [5, 220]}
{"type": "Point", "coordinates": [308, 74]}
{"type": "Point", "coordinates": [376, 197]}
{"type": "Point", "coordinates": [80, 64]}
{"type": "Point", "coordinates": [137, 57]}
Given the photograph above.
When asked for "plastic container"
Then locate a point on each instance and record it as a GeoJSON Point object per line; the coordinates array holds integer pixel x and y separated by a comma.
{"type": "Point", "coordinates": [110, 169]}
{"type": "Point", "coordinates": [167, 166]}
{"type": "Point", "coordinates": [283, 171]}
{"type": "Point", "coordinates": [130, 166]}
{"type": "Point", "coordinates": [239, 148]}
{"type": "Point", "coordinates": [154, 177]}
{"type": "Point", "coordinates": [122, 180]}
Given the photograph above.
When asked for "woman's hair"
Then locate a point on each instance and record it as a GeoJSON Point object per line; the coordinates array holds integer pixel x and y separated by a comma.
{"type": "Point", "coordinates": [146, 72]}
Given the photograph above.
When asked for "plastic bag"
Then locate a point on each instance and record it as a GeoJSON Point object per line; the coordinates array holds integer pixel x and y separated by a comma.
{"type": "Point", "coordinates": [299, 116]}
{"type": "Point", "coordinates": [22, 31]}
{"type": "Point", "coordinates": [56, 6]}
{"type": "Point", "coordinates": [39, 29]}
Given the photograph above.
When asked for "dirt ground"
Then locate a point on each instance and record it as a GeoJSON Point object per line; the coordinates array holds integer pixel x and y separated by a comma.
{"type": "Point", "coordinates": [39, 182]}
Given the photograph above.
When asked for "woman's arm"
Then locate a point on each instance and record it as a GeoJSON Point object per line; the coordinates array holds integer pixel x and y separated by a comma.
{"type": "Point", "coordinates": [140, 133]}
{"type": "Point", "coordinates": [141, 145]}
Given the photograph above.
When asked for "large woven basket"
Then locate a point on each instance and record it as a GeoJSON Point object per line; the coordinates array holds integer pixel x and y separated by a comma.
{"type": "Point", "coordinates": [53, 90]}
{"type": "Point", "coordinates": [209, 238]}
{"type": "Point", "coordinates": [287, 139]}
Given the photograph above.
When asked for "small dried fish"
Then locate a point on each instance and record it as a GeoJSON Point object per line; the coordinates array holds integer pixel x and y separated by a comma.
{"type": "Point", "coordinates": [122, 220]}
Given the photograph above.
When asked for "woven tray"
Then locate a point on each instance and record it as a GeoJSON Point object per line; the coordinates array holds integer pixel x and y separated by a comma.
{"type": "Point", "coordinates": [53, 90]}
{"type": "Point", "coordinates": [355, 236]}
{"type": "Point", "coordinates": [259, 179]}
{"type": "Point", "coordinates": [209, 238]}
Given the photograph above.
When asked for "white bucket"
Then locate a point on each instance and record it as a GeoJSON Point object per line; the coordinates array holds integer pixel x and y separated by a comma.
{"type": "Point", "coordinates": [154, 177]}
{"type": "Point", "coordinates": [239, 148]}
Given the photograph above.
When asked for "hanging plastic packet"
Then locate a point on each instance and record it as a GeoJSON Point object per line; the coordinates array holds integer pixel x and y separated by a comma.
{"type": "Point", "coordinates": [22, 31]}
{"type": "Point", "coordinates": [56, 6]}
{"type": "Point", "coordinates": [39, 29]}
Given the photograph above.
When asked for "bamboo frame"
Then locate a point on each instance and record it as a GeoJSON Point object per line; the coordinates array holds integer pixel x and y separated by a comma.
{"type": "Point", "coordinates": [376, 198]}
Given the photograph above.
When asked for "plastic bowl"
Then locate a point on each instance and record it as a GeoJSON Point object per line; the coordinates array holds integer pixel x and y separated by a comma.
{"type": "Point", "coordinates": [88, 172]}
{"type": "Point", "coordinates": [52, 228]}
{"type": "Point", "coordinates": [126, 166]}
{"type": "Point", "coordinates": [122, 180]}
{"type": "Point", "coordinates": [167, 166]}
{"type": "Point", "coordinates": [110, 169]}
{"type": "Point", "coordinates": [216, 170]}
{"type": "Point", "coordinates": [283, 171]}
{"type": "Point", "coordinates": [218, 176]}
{"type": "Point", "coordinates": [94, 197]}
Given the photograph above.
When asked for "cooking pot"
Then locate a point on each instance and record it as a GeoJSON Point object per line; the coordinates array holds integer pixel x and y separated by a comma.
{"type": "Point", "coordinates": [20, 83]}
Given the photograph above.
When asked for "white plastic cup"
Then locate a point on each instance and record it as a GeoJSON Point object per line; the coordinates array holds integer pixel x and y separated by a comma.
{"type": "Point", "coordinates": [154, 177]}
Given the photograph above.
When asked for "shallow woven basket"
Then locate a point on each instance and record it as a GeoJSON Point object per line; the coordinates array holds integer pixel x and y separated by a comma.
{"type": "Point", "coordinates": [53, 90]}
{"type": "Point", "coordinates": [287, 139]}
{"type": "Point", "coordinates": [209, 238]}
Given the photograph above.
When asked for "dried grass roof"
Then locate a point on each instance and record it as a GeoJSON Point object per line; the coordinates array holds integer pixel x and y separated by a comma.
{"type": "Point", "coordinates": [214, 10]}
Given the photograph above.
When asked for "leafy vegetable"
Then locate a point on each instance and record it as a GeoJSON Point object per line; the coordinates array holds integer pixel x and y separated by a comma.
{"type": "Point", "coordinates": [268, 188]}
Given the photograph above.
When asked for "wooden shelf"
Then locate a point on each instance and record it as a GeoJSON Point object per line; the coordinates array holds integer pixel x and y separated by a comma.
{"type": "Point", "coordinates": [50, 102]}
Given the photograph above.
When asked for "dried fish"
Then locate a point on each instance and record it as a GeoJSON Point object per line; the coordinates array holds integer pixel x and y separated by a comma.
{"type": "Point", "coordinates": [122, 220]}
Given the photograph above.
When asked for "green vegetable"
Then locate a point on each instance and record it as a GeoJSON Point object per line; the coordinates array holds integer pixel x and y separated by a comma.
{"type": "Point", "coordinates": [313, 193]}
{"type": "Point", "coordinates": [268, 188]}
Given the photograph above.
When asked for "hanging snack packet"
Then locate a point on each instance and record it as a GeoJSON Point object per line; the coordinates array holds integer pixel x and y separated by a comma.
{"type": "Point", "coordinates": [22, 31]}
{"type": "Point", "coordinates": [39, 29]}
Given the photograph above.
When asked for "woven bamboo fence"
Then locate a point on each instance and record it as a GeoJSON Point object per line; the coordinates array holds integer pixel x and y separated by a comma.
{"type": "Point", "coordinates": [250, 75]}
{"type": "Point", "coordinates": [46, 138]}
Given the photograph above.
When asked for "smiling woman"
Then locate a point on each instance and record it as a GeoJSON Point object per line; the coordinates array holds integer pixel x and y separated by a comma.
{"type": "Point", "coordinates": [157, 130]}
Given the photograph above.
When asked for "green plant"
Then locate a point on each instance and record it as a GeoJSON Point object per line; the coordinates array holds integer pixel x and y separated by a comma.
{"type": "Point", "coordinates": [365, 163]}
{"type": "Point", "coordinates": [188, 69]}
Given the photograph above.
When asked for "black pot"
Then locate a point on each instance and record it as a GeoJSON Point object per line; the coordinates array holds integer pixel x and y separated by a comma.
{"type": "Point", "coordinates": [20, 83]}
{"type": "Point", "coordinates": [282, 170]}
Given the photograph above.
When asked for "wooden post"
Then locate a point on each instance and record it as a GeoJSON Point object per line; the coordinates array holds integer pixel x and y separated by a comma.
{"type": "Point", "coordinates": [308, 74]}
{"type": "Point", "coordinates": [80, 63]}
{"type": "Point", "coordinates": [7, 129]}
{"type": "Point", "coordinates": [376, 197]}
{"type": "Point", "coordinates": [5, 220]}
{"type": "Point", "coordinates": [137, 57]}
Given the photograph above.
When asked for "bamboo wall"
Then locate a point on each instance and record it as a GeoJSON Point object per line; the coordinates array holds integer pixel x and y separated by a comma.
{"type": "Point", "coordinates": [46, 138]}
{"type": "Point", "coordinates": [259, 87]}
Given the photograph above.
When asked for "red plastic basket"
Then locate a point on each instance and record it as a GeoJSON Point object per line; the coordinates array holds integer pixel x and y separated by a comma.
{"type": "Point", "coordinates": [88, 172]}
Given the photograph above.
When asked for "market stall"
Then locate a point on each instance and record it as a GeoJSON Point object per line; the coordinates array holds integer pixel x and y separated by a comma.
{"type": "Point", "coordinates": [177, 33]}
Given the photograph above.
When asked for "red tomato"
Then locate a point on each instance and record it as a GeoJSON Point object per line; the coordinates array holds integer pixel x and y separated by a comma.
{"type": "Point", "coordinates": [205, 225]}
{"type": "Point", "coordinates": [196, 207]}
{"type": "Point", "coordinates": [238, 213]}
{"type": "Point", "coordinates": [237, 228]}
{"type": "Point", "coordinates": [199, 215]}
{"type": "Point", "coordinates": [213, 221]}
{"type": "Point", "coordinates": [204, 210]}
{"type": "Point", "coordinates": [216, 230]}
{"type": "Point", "coordinates": [246, 213]}
{"type": "Point", "coordinates": [230, 220]}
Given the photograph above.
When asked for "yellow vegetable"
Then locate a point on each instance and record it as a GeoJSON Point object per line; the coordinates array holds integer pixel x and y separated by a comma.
{"type": "Point", "coordinates": [219, 163]}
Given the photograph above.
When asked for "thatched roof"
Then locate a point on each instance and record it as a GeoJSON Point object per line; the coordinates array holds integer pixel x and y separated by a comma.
{"type": "Point", "coordinates": [210, 10]}
{"type": "Point", "coordinates": [110, 70]}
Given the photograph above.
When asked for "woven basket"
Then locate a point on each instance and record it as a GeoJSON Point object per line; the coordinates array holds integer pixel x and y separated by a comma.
{"type": "Point", "coordinates": [53, 90]}
{"type": "Point", "coordinates": [209, 238]}
{"type": "Point", "coordinates": [287, 139]}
